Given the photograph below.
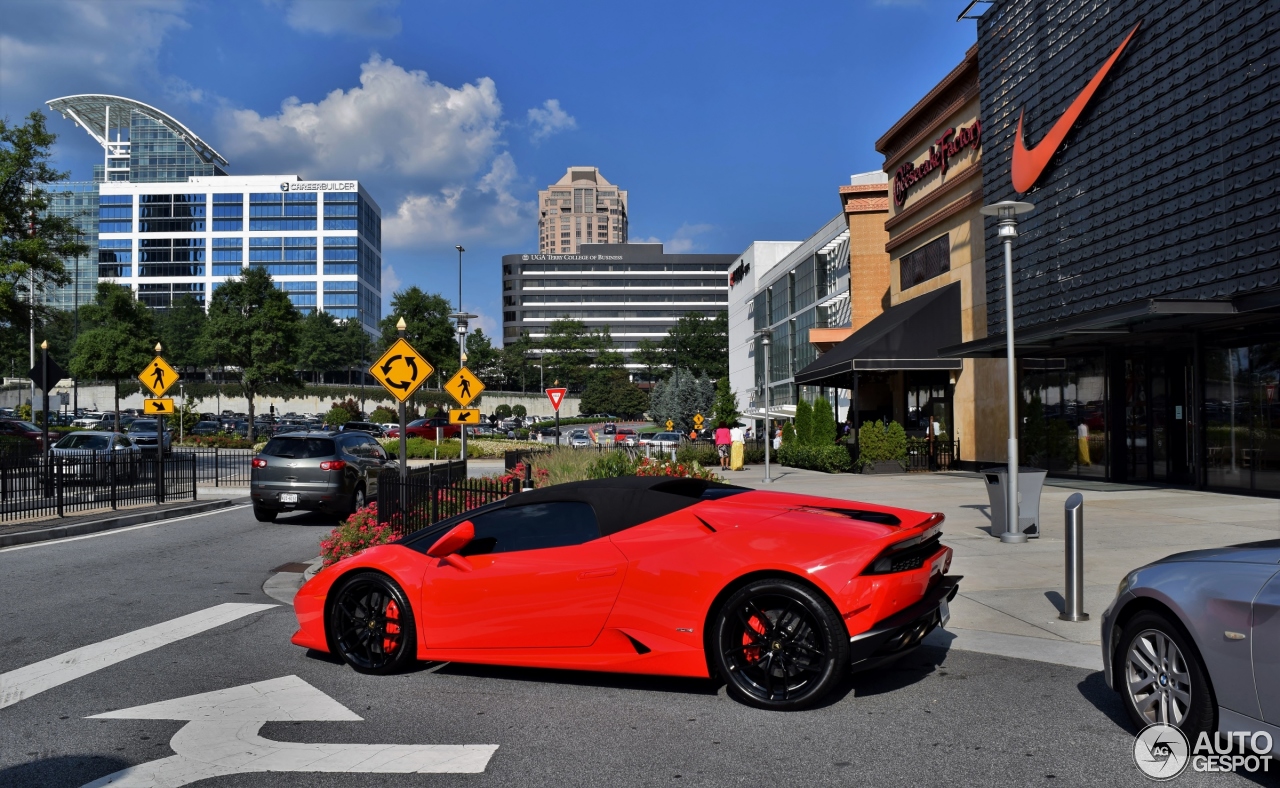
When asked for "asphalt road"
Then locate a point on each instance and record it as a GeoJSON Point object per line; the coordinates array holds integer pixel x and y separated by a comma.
{"type": "Point", "coordinates": [936, 718]}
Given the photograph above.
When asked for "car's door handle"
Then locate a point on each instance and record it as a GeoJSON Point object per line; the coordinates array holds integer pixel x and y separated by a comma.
{"type": "Point", "coordinates": [589, 574]}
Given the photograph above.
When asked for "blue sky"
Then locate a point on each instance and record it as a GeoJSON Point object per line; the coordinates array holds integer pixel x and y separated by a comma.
{"type": "Point", "coordinates": [727, 122]}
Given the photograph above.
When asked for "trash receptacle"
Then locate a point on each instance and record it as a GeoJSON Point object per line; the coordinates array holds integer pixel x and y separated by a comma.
{"type": "Point", "coordinates": [1030, 483]}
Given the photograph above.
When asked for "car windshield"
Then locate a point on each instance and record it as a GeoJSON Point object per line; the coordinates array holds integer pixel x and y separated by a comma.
{"type": "Point", "coordinates": [143, 425]}
{"type": "Point", "coordinates": [418, 422]}
{"type": "Point", "coordinates": [82, 441]}
{"type": "Point", "coordinates": [299, 448]}
{"type": "Point", "coordinates": [26, 426]}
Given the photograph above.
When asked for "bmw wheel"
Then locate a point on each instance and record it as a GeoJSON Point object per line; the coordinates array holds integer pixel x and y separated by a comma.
{"type": "Point", "coordinates": [1161, 676]}
{"type": "Point", "coordinates": [370, 624]}
{"type": "Point", "coordinates": [779, 645]}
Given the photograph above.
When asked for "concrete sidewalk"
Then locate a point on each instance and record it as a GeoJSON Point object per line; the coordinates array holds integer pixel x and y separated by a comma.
{"type": "Point", "coordinates": [1011, 596]}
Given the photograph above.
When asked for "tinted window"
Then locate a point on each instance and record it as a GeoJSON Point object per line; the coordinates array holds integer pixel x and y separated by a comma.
{"type": "Point", "coordinates": [299, 448]}
{"type": "Point", "coordinates": [86, 442]}
{"type": "Point", "coordinates": [143, 425]}
{"type": "Point", "coordinates": [533, 527]}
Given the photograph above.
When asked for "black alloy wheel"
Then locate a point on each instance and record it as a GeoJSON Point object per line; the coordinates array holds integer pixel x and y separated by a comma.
{"type": "Point", "coordinates": [370, 624]}
{"type": "Point", "coordinates": [779, 645]}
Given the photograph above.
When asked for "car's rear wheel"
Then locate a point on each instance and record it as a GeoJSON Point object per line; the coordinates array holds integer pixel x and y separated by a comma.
{"type": "Point", "coordinates": [1161, 677]}
{"type": "Point", "coordinates": [370, 624]}
{"type": "Point", "coordinates": [779, 645]}
{"type": "Point", "coordinates": [264, 515]}
{"type": "Point", "coordinates": [357, 500]}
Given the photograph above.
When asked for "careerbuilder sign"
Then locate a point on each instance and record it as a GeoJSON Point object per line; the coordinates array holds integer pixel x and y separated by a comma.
{"type": "Point", "coordinates": [319, 186]}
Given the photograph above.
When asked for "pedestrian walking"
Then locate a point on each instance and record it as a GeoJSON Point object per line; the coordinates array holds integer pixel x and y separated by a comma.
{"type": "Point", "coordinates": [737, 447]}
{"type": "Point", "coordinates": [777, 440]}
{"type": "Point", "coordinates": [722, 445]}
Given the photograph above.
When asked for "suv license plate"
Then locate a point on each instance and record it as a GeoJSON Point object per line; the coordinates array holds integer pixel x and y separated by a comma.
{"type": "Point", "coordinates": [288, 497]}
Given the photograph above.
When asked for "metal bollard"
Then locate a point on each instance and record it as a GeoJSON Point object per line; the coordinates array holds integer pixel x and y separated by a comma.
{"type": "Point", "coordinates": [1073, 594]}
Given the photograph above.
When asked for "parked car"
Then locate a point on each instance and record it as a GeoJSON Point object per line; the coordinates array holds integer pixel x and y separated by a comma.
{"type": "Point", "coordinates": [97, 449]}
{"type": "Point", "coordinates": [427, 428]}
{"type": "Point", "coordinates": [665, 440]}
{"type": "Point", "coordinates": [1193, 640]}
{"type": "Point", "coordinates": [388, 426]}
{"type": "Point", "coordinates": [626, 437]}
{"type": "Point", "coordinates": [364, 426]}
{"type": "Point", "coordinates": [480, 430]}
{"type": "Point", "coordinates": [206, 428]}
{"type": "Point", "coordinates": [143, 433]}
{"type": "Point", "coordinates": [16, 429]}
{"type": "Point", "coordinates": [316, 471]}
{"type": "Point", "coordinates": [580, 439]}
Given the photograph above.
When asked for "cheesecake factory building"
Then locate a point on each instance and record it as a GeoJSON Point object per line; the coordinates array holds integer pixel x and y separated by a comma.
{"type": "Point", "coordinates": [1147, 277]}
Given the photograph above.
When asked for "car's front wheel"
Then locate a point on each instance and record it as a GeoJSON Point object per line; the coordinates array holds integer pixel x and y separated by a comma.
{"type": "Point", "coordinates": [1161, 676]}
{"type": "Point", "coordinates": [370, 624]}
{"type": "Point", "coordinates": [779, 645]}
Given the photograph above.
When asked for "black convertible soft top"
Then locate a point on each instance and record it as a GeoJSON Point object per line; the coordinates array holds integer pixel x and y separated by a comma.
{"type": "Point", "coordinates": [628, 501]}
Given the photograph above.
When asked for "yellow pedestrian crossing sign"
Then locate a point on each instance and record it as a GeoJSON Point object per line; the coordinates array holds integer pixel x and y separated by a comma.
{"type": "Point", "coordinates": [464, 416]}
{"type": "Point", "coordinates": [158, 407]}
{"type": "Point", "coordinates": [671, 424]}
{"type": "Point", "coordinates": [401, 370]}
{"type": "Point", "coordinates": [158, 376]}
{"type": "Point", "coordinates": [697, 420]}
{"type": "Point", "coordinates": [464, 387]}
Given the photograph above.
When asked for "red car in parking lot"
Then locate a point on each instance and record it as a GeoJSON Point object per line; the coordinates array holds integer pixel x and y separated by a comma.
{"type": "Point", "coordinates": [427, 428]}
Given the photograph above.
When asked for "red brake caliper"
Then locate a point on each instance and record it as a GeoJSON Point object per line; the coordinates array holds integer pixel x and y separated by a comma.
{"type": "Point", "coordinates": [751, 652]}
{"type": "Point", "coordinates": [388, 639]}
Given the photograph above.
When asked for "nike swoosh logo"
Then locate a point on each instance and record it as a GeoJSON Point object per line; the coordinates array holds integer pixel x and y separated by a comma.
{"type": "Point", "coordinates": [1029, 163]}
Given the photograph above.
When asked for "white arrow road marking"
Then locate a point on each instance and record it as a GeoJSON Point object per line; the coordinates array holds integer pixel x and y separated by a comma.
{"type": "Point", "coordinates": [221, 738]}
{"type": "Point", "coordinates": [20, 684]}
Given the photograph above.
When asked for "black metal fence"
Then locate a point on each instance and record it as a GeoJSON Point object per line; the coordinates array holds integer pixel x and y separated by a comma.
{"type": "Point", "coordinates": [923, 456]}
{"type": "Point", "coordinates": [220, 467]}
{"type": "Point", "coordinates": [34, 486]}
{"type": "Point", "coordinates": [431, 494]}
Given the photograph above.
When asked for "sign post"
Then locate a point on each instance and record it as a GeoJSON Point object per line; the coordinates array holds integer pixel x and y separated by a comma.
{"type": "Point", "coordinates": [464, 387]}
{"type": "Point", "coordinates": [401, 370]}
{"type": "Point", "coordinates": [556, 395]}
{"type": "Point", "coordinates": [158, 377]}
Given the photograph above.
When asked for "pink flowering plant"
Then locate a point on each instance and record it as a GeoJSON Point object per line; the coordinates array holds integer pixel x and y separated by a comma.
{"type": "Point", "coordinates": [357, 533]}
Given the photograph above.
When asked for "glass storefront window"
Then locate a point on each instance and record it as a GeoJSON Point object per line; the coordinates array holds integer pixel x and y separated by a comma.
{"type": "Point", "coordinates": [1242, 417]}
{"type": "Point", "coordinates": [1063, 410]}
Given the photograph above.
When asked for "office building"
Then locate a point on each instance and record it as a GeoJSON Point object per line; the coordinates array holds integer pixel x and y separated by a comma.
{"type": "Point", "coordinates": [745, 275]}
{"type": "Point", "coordinates": [171, 222]}
{"type": "Point", "coordinates": [77, 201]}
{"type": "Point", "coordinates": [637, 291]}
{"type": "Point", "coordinates": [581, 208]}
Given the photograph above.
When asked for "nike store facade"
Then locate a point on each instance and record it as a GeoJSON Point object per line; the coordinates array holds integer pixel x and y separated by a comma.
{"type": "Point", "coordinates": [1147, 277]}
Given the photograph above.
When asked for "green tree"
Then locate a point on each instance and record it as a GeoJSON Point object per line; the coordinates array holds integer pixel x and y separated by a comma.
{"type": "Point", "coordinates": [116, 339]}
{"type": "Point", "coordinates": [483, 359]}
{"type": "Point", "coordinates": [823, 430]}
{"type": "Point", "coordinates": [516, 365]}
{"type": "Point", "coordinates": [323, 344]}
{"type": "Point", "coordinates": [357, 344]}
{"type": "Point", "coordinates": [426, 317]}
{"type": "Point", "coordinates": [253, 326]}
{"type": "Point", "coordinates": [652, 355]}
{"type": "Point", "coordinates": [613, 392]}
{"type": "Point", "coordinates": [725, 407]}
{"type": "Point", "coordinates": [384, 415]}
{"type": "Point", "coordinates": [519, 411]}
{"type": "Point", "coordinates": [181, 329]}
{"type": "Point", "coordinates": [572, 348]}
{"type": "Point", "coordinates": [700, 344]}
{"type": "Point", "coordinates": [337, 416]}
{"type": "Point", "coordinates": [33, 244]}
{"type": "Point", "coordinates": [679, 397]}
{"type": "Point", "coordinates": [503, 411]}
{"type": "Point", "coordinates": [804, 423]}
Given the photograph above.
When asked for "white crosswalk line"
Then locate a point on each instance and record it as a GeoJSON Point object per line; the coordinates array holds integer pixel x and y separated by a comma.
{"type": "Point", "coordinates": [20, 684]}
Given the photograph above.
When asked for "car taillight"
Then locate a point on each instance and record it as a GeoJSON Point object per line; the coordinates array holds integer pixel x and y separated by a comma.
{"type": "Point", "coordinates": [259, 463]}
{"type": "Point", "coordinates": [333, 465]}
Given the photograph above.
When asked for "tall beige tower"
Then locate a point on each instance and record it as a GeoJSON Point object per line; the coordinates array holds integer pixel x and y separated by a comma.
{"type": "Point", "coordinates": [581, 208]}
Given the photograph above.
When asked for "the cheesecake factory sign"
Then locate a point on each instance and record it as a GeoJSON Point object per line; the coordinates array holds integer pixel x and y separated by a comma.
{"type": "Point", "coordinates": [951, 143]}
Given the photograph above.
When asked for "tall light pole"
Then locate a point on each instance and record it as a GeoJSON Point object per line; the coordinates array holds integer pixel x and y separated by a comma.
{"type": "Point", "coordinates": [765, 336]}
{"type": "Point", "coordinates": [1008, 211]}
{"type": "Point", "coordinates": [460, 251]}
{"type": "Point", "coordinates": [462, 318]}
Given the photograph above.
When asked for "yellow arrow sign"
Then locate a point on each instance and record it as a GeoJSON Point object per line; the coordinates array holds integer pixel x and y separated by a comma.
{"type": "Point", "coordinates": [158, 407]}
{"type": "Point", "coordinates": [464, 387]}
{"type": "Point", "coordinates": [464, 416]}
{"type": "Point", "coordinates": [158, 376]}
{"type": "Point", "coordinates": [671, 425]}
{"type": "Point", "coordinates": [401, 370]}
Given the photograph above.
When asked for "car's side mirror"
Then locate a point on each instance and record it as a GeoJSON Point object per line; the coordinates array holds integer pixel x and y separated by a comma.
{"type": "Point", "coordinates": [446, 547]}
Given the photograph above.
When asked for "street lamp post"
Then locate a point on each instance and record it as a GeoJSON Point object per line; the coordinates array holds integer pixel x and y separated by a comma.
{"type": "Point", "coordinates": [765, 338]}
{"type": "Point", "coordinates": [404, 457]}
{"type": "Point", "coordinates": [462, 318]}
{"type": "Point", "coordinates": [1008, 211]}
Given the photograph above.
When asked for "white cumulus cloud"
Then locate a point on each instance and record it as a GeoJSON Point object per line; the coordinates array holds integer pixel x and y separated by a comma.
{"type": "Point", "coordinates": [550, 119]}
{"type": "Point", "coordinates": [683, 241]}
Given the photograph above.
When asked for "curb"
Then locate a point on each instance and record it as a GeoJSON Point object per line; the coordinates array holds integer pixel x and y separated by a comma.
{"type": "Point", "coordinates": [124, 520]}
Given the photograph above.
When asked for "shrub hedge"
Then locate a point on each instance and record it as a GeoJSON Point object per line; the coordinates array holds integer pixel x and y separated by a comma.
{"type": "Point", "coordinates": [828, 459]}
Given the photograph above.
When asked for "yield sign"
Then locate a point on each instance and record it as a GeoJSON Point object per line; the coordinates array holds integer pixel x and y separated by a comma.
{"type": "Point", "coordinates": [221, 738]}
{"type": "Point", "coordinates": [556, 396]}
{"type": "Point", "coordinates": [401, 370]}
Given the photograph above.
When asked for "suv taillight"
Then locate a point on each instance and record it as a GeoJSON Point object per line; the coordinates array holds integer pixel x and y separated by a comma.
{"type": "Point", "coordinates": [333, 465]}
{"type": "Point", "coordinates": [258, 462]}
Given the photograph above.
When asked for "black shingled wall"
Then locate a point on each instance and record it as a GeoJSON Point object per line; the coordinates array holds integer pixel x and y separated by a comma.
{"type": "Point", "coordinates": [1168, 185]}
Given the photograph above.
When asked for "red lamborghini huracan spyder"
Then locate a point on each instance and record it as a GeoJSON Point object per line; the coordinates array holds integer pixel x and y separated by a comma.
{"type": "Point", "coordinates": [776, 593]}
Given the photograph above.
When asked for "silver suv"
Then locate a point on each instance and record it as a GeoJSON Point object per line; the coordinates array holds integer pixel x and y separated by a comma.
{"type": "Point", "coordinates": [334, 473]}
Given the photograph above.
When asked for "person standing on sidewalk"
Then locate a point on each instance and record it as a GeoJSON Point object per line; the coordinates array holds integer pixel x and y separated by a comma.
{"type": "Point", "coordinates": [736, 448]}
{"type": "Point", "coordinates": [722, 445]}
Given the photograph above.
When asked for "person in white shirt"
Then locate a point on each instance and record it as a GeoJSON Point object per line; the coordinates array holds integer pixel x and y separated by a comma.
{"type": "Point", "coordinates": [736, 448]}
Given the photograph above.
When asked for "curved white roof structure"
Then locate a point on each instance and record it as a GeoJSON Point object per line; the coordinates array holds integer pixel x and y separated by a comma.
{"type": "Point", "coordinates": [90, 111]}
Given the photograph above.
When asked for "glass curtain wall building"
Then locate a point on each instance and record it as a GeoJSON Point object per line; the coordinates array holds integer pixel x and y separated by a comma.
{"type": "Point", "coordinates": [169, 222]}
{"type": "Point", "coordinates": [77, 201]}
